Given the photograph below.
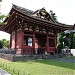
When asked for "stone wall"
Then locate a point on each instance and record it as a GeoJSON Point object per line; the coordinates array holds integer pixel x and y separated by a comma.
{"type": "Point", "coordinates": [14, 58]}
{"type": "Point", "coordinates": [7, 56]}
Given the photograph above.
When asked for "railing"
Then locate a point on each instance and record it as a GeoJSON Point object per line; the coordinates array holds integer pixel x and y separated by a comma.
{"type": "Point", "coordinates": [28, 51]}
{"type": "Point", "coordinates": [7, 51]}
{"type": "Point", "coordinates": [64, 51]}
{"type": "Point", "coordinates": [23, 51]}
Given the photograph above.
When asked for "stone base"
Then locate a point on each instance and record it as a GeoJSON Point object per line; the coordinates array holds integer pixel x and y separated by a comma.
{"type": "Point", "coordinates": [14, 58]}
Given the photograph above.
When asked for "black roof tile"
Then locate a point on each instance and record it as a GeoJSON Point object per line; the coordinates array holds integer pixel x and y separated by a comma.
{"type": "Point", "coordinates": [24, 10]}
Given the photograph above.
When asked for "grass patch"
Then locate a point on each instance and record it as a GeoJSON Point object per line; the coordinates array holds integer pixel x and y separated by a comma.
{"type": "Point", "coordinates": [41, 67]}
{"type": "Point", "coordinates": [70, 57]}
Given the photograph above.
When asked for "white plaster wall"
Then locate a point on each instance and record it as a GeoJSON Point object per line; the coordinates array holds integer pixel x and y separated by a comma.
{"type": "Point", "coordinates": [73, 52]}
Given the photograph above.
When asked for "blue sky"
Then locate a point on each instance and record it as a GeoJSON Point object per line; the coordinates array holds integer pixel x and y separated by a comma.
{"type": "Point", "coordinates": [64, 9]}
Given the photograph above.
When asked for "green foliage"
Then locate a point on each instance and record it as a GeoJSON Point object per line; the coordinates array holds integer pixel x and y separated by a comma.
{"type": "Point", "coordinates": [62, 40]}
{"type": "Point", "coordinates": [53, 15]}
{"type": "Point", "coordinates": [5, 43]}
{"type": "Point", "coordinates": [0, 0]}
{"type": "Point", "coordinates": [2, 17]}
{"type": "Point", "coordinates": [72, 40]}
{"type": "Point", "coordinates": [68, 39]}
{"type": "Point", "coordinates": [1, 44]}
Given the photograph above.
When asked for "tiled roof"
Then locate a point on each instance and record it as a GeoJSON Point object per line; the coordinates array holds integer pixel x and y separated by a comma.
{"type": "Point", "coordinates": [24, 10]}
{"type": "Point", "coordinates": [29, 13]}
{"type": "Point", "coordinates": [33, 13]}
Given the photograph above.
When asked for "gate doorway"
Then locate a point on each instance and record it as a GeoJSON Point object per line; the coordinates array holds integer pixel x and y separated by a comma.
{"type": "Point", "coordinates": [40, 43]}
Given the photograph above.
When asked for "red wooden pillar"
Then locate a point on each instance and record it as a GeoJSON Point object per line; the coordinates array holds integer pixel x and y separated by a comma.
{"type": "Point", "coordinates": [10, 40]}
{"type": "Point", "coordinates": [15, 37]}
{"type": "Point", "coordinates": [22, 38]}
{"type": "Point", "coordinates": [47, 44]}
{"type": "Point", "coordinates": [34, 42]}
{"type": "Point", "coordinates": [55, 40]}
{"type": "Point", "coordinates": [22, 50]}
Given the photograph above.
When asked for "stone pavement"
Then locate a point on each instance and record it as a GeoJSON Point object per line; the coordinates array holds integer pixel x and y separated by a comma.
{"type": "Point", "coordinates": [65, 60]}
{"type": "Point", "coordinates": [2, 72]}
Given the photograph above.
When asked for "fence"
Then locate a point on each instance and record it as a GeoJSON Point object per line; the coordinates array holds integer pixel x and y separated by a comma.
{"type": "Point", "coordinates": [25, 55]}
{"type": "Point", "coordinates": [12, 70]}
{"type": "Point", "coordinates": [23, 51]}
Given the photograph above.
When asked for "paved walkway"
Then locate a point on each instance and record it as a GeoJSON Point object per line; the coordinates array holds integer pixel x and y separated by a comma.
{"type": "Point", "coordinates": [2, 72]}
{"type": "Point", "coordinates": [65, 60]}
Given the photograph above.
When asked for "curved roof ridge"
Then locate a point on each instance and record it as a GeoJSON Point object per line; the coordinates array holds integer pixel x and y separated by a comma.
{"type": "Point", "coordinates": [24, 10]}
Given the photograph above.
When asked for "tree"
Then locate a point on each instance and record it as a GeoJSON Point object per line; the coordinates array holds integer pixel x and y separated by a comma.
{"type": "Point", "coordinates": [1, 44]}
{"type": "Point", "coordinates": [73, 46]}
{"type": "Point", "coordinates": [53, 15]}
{"type": "Point", "coordinates": [0, 0]}
{"type": "Point", "coordinates": [60, 42]}
{"type": "Point", "coordinates": [72, 40]}
{"type": "Point", "coordinates": [69, 40]}
{"type": "Point", "coordinates": [2, 17]}
{"type": "Point", "coordinates": [63, 40]}
{"type": "Point", "coordinates": [5, 43]}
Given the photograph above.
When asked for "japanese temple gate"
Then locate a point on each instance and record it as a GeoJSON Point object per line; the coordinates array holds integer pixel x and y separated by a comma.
{"type": "Point", "coordinates": [32, 32]}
